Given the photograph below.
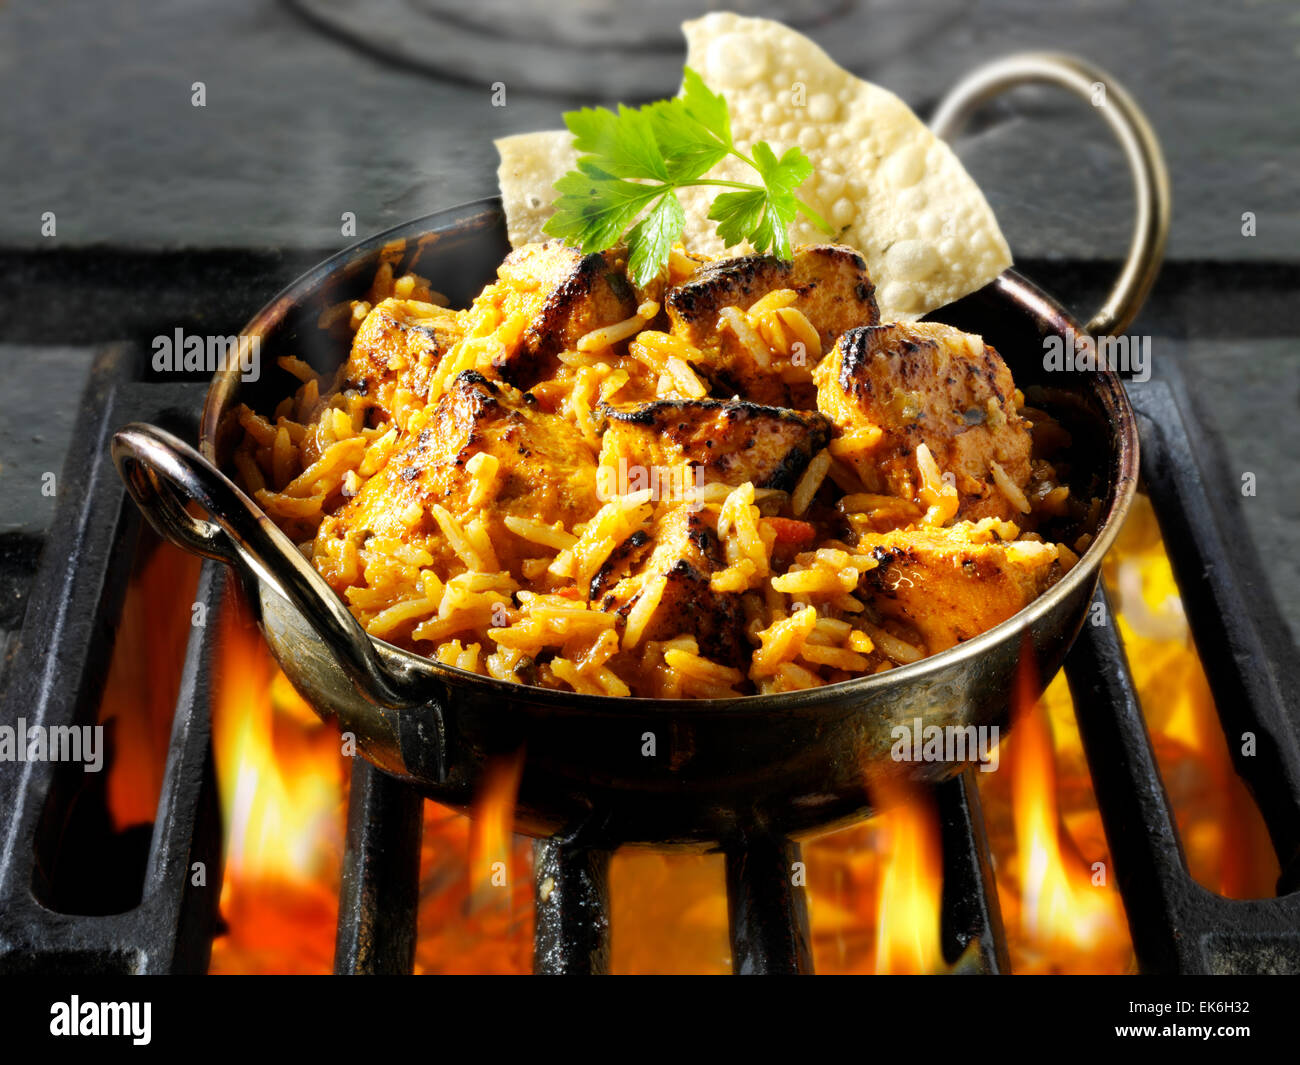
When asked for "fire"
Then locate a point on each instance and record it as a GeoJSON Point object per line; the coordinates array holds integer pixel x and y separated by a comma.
{"type": "Point", "coordinates": [281, 779]}
{"type": "Point", "coordinates": [651, 892]}
{"type": "Point", "coordinates": [491, 829]}
{"type": "Point", "coordinates": [144, 677]}
{"type": "Point", "coordinates": [460, 933]}
{"type": "Point", "coordinates": [1223, 836]}
{"type": "Point", "coordinates": [1067, 912]}
{"type": "Point", "coordinates": [1226, 843]}
{"type": "Point", "coordinates": [280, 797]}
{"type": "Point", "coordinates": [283, 786]}
{"type": "Point", "coordinates": [874, 889]}
{"type": "Point", "coordinates": [911, 885]}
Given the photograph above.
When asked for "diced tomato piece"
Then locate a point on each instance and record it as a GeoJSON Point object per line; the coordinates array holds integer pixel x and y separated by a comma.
{"type": "Point", "coordinates": [792, 533]}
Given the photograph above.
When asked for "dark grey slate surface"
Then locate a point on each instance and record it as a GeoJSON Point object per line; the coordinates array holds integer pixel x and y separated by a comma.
{"type": "Point", "coordinates": [37, 412]}
{"type": "Point", "coordinates": [1249, 392]}
{"type": "Point", "coordinates": [300, 127]}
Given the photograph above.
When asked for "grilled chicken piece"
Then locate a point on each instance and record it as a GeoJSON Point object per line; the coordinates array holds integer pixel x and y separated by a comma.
{"type": "Point", "coordinates": [564, 295]}
{"type": "Point", "coordinates": [835, 294]}
{"type": "Point", "coordinates": [924, 382]}
{"type": "Point", "coordinates": [683, 547]}
{"type": "Point", "coordinates": [399, 345]}
{"type": "Point", "coordinates": [951, 584]}
{"type": "Point", "coordinates": [545, 472]}
{"type": "Point", "coordinates": [733, 441]}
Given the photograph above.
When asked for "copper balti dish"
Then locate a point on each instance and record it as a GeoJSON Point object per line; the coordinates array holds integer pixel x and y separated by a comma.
{"type": "Point", "coordinates": [790, 764]}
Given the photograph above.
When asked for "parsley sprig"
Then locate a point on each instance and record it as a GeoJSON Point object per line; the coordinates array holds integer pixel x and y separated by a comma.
{"type": "Point", "coordinates": [635, 159]}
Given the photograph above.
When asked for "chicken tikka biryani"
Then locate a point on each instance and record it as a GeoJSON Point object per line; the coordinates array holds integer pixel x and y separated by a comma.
{"type": "Point", "coordinates": [719, 477]}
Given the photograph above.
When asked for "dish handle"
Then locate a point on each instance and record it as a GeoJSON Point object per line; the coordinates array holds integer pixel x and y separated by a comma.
{"type": "Point", "coordinates": [1131, 128]}
{"type": "Point", "coordinates": [168, 479]}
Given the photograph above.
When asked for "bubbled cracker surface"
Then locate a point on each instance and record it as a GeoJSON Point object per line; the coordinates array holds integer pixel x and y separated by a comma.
{"type": "Point", "coordinates": [890, 187]}
{"type": "Point", "coordinates": [887, 185]}
{"type": "Point", "coordinates": [531, 164]}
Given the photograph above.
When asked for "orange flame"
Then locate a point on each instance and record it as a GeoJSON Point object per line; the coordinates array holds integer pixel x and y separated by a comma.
{"type": "Point", "coordinates": [281, 781]}
{"type": "Point", "coordinates": [144, 677]}
{"type": "Point", "coordinates": [276, 787]}
{"type": "Point", "coordinates": [491, 828]}
{"type": "Point", "coordinates": [1224, 838]}
{"type": "Point", "coordinates": [911, 884]}
{"type": "Point", "coordinates": [1067, 908]}
{"type": "Point", "coordinates": [874, 888]}
{"type": "Point", "coordinates": [283, 786]}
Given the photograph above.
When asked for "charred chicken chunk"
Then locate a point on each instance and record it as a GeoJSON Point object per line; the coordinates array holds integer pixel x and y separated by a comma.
{"type": "Point", "coordinates": [538, 467]}
{"type": "Point", "coordinates": [398, 346]}
{"type": "Point", "coordinates": [834, 293]}
{"type": "Point", "coordinates": [732, 441]}
{"type": "Point", "coordinates": [564, 295]}
{"type": "Point", "coordinates": [683, 550]}
{"type": "Point", "coordinates": [889, 388]}
{"type": "Point", "coordinates": [950, 584]}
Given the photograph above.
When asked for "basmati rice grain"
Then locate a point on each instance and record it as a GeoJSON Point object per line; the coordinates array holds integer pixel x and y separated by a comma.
{"type": "Point", "coordinates": [744, 332]}
{"type": "Point", "coordinates": [940, 497]}
{"type": "Point", "coordinates": [899, 650]}
{"type": "Point", "coordinates": [456, 538]}
{"type": "Point", "coordinates": [483, 469]}
{"type": "Point", "coordinates": [777, 298]}
{"type": "Point", "coordinates": [810, 482]}
{"type": "Point", "coordinates": [782, 641]}
{"type": "Point", "coordinates": [860, 642]}
{"type": "Point", "coordinates": [795, 678]}
{"type": "Point", "coordinates": [609, 335]}
{"type": "Point", "coordinates": [1009, 488]}
{"type": "Point", "coordinates": [804, 331]}
{"type": "Point", "coordinates": [639, 616]}
{"type": "Point", "coordinates": [837, 657]}
{"type": "Point", "coordinates": [538, 533]}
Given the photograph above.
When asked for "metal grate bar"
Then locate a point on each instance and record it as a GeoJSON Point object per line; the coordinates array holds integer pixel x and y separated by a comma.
{"type": "Point", "coordinates": [571, 919]}
{"type": "Point", "coordinates": [971, 925]}
{"type": "Point", "coordinates": [1149, 864]}
{"type": "Point", "coordinates": [380, 893]}
{"type": "Point", "coordinates": [768, 912]}
{"type": "Point", "coordinates": [1177, 925]}
{"type": "Point", "coordinates": [61, 661]}
{"type": "Point", "coordinates": [1239, 636]}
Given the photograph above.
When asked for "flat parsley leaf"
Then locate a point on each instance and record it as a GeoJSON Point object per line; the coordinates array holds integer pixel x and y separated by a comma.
{"type": "Point", "coordinates": [594, 210]}
{"type": "Point", "coordinates": [631, 162]}
{"type": "Point", "coordinates": [652, 238]}
{"type": "Point", "coordinates": [707, 108]}
{"type": "Point", "coordinates": [738, 214]}
{"type": "Point", "coordinates": [623, 144]}
{"type": "Point", "coordinates": [690, 150]}
{"type": "Point", "coordinates": [784, 174]}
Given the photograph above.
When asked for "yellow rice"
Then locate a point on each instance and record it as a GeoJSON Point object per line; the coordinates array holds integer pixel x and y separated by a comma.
{"type": "Point", "coordinates": [446, 594]}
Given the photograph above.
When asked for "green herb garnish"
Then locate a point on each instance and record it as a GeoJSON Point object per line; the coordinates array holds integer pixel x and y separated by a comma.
{"type": "Point", "coordinates": [637, 158]}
